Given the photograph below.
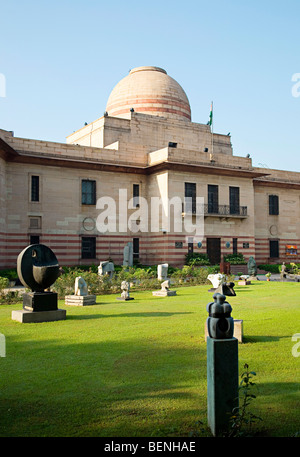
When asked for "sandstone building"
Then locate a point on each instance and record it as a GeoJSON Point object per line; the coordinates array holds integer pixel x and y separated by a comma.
{"type": "Point", "coordinates": [146, 145]}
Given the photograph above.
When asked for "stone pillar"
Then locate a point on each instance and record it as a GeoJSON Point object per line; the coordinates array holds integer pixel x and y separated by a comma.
{"type": "Point", "coordinates": [222, 382]}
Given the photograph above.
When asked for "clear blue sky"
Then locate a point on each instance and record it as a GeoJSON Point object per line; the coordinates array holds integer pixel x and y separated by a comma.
{"type": "Point", "coordinates": [61, 59]}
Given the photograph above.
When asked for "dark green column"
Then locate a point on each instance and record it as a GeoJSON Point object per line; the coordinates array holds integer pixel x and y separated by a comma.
{"type": "Point", "coordinates": [222, 382]}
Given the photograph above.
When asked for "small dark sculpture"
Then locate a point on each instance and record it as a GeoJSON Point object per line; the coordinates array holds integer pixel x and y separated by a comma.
{"type": "Point", "coordinates": [220, 324]}
{"type": "Point", "coordinates": [38, 269]}
{"type": "Point", "coordinates": [252, 268]}
{"type": "Point", "coordinates": [226, 289]}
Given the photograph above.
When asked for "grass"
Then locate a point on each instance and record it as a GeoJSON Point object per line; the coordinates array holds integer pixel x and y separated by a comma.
{"type": "Point", "coordinates": [138, 368]}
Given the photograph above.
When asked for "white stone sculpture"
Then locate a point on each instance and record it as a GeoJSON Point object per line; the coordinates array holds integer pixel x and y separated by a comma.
{"type": "Point", "coordinates": [106, 268]}
{"type": "Point", "coordinates": [165, 290]}
{"type": "Point", "coordinates": [162, 271]}
{"type": "Point", "coordinates": [125, 287]}
{"type": "Point", "coordinates": [80, 286]}
{"type": "Point", "coordinates": [216, 280]}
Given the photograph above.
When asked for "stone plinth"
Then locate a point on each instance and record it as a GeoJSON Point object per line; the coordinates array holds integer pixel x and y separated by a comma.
{"type": "Point", "coordinates": [25, 316]}
{"type": "Point", "coordinates": [164, 293]}
{"type": "Point", "coordinates": [80, 300]}
{"type": "Point", "coordinates": [244, 283]}
{"type": "Point", "coordinates": [237, 330]}
{"type": "Point", "coordinates": [40, 301]}
{"type": "Point", "coordinates": [222, 382]}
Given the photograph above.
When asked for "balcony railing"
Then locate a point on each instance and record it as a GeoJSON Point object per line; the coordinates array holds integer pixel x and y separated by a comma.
{"type": "Point", "coordinates": [214, 210]}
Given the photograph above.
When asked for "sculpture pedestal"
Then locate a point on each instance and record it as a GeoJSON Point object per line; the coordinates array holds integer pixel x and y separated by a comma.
{"type": "Point", "coordinates": [222, 382]}
{"type": "Point", "coordinates": [164, 293]}
{"type": "Point", "coordinates": [25, 316]}
{"type": "Point", "coordinates": [40, 301]}
{"type": "Point", "coordinates": [80, 300]}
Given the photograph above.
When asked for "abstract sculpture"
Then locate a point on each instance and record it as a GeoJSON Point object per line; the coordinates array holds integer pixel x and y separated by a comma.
{"type": "Point", "coordinates": [106, 268]}
{"type": "Point", "coordinates": [128, 255]}
{"type": "Point", "coordinates": [38, 269]}
{"type": "Point", "coordinates": [165, 290]}
{"type": "Point", "coordinates": [220, 285]}
{"type": "Point", "coordinates": [220, 324]}
{"type": "Point", "coordinates": [125, 287]}
{"type": "Point", "coordinates": [162, 272]}
{"type": "Point", "coordinates": [222, 365]}
{"type": "Point", "coordinates": [81, 288]}
{"type": "Point", "coordinates": [252, 268]}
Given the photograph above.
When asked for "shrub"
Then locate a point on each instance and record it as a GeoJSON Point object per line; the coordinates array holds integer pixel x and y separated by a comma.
{"type": "Point", "coordinates": [190, 275]}
{"type": "Point", "coordinates": [195, 258]}
{"type": "Point", "coordinates": [235, 259]}
{"type": "Point", "coordinates": [271, 268]}
{"type": "Point", "coordinates": [10, 297]}
{"type": "Point", "coordinates": [9, 273]}
{"type": "Point", "coordinates": [4, 282]}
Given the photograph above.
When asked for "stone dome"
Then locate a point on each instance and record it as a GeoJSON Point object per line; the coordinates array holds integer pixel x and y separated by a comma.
{"type": "Point", "coordinates": [149, 90]}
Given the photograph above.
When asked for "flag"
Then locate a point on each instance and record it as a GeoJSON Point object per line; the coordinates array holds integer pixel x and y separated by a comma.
{"type": "Point", "coordinates": [211, 115]}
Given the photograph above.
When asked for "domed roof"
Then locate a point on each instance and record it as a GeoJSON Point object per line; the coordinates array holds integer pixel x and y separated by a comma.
{"type": "Point", "coordinates": [149, 90]}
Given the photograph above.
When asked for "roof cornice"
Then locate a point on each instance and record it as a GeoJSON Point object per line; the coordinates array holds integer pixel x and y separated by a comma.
{"type": "Point", "coordinates": [11, 155]}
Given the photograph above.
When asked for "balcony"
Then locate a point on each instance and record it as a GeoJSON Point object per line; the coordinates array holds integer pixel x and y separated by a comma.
{"type": "Point", "coordinates": [221, 211]}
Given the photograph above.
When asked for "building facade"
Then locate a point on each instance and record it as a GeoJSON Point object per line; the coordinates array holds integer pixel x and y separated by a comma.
{"type": "Point", "coordinates": [134, 164]}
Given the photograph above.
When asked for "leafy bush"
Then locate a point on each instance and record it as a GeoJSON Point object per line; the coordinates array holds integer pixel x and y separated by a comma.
{"type": "Point", "coordinates": [9, 273]}
{"type": "Point", "coordinates": [9, 297]}
{"type": "Point", "coordinates": [235, 259]}
{"type": "Point", "coordinates": [190, 275]}
{"type": "Point", "coordinates": [4, 282]}
{"type": "Point", "coordinates": [195, 258]}
{"type": "Point", "coordinates": [271, 268]}
{"type": "Point", "coordinates": [64, 285]}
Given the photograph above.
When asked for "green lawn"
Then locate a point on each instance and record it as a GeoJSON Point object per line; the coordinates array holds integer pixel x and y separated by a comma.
{"type": "Point", "coordinates": [138, 368]}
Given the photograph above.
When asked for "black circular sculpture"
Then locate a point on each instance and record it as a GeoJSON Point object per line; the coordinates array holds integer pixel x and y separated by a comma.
{"type": "Point", "coordinates": [37, 267]}
{"type": "Point", "coordinates": [220, 324]}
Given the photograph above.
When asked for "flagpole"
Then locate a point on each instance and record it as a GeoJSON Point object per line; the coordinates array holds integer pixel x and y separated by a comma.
{"type": "Point", "coordinates": [212, 129]}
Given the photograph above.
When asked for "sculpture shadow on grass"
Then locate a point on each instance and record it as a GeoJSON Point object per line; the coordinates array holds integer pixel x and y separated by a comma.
{"type": "Point", "coordinates": [262, 338]}
{"type": "Point", "coordinates": [103, 316]}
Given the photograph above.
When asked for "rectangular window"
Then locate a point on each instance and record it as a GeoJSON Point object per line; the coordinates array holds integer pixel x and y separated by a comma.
{"type": "Point", "coordinates": [212, 198]}
{"type": "Point", "coordinates": [136, 248]}
{"type": "Point", "coordinates": [136, 195]}
{"type": "Point", "coordinates": [274, 249]}
{"type": "Point", "coordinates": [35, 222]}
{"type": "Point", "coordinates": [190, 197]}
{"type": "Point", "coordinates": [234, 246]}
{"type": "Point", "coordinates": [35, 188]}
{"type": "Point", "coordinates": [34, 239]}
{"type": "Point", "coordinates": [88, 247]}
{"type": "Point", "coordinates": [273, 205]}
{"type": "Point", "coordinates": [234, 200]}
{"type": "Point", "coordinates": [88, 192]}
